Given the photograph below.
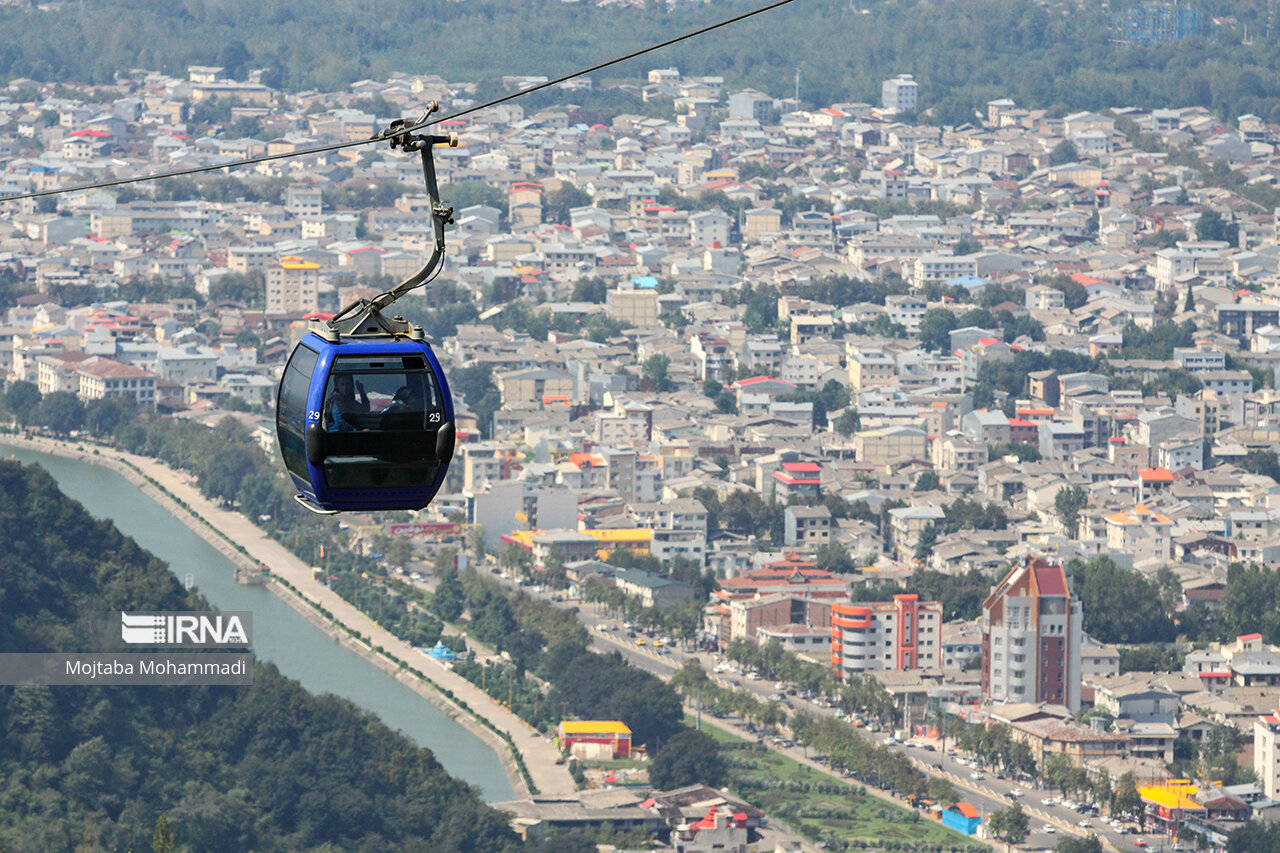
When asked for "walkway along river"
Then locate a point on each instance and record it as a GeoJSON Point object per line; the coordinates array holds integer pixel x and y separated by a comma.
{"type": "Point", "coordinates": [299, 648]}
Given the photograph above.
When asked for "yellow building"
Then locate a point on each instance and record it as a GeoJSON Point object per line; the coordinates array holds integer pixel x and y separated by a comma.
{"type": "Point", "coordinates": [533, 385]}
{"type": "Point", "coordinates": [1080, 174]}
{"type": "Point", "coordinates": [633, 308]}
{"type": "Point", "coordinates": [870, 369]}
{"type": "Point", "coordinates": [879, 446]}
{"type": "Point", "coordinates": [611, 539]}
{"type": "Point", "coordinates": [293, 286]}
{"type": "Point", "coordinates": [762, 222]}
{"type": "Point", "coordinates": [1145, 534]}
{"type": "Point", "coordinates": [575, 545]}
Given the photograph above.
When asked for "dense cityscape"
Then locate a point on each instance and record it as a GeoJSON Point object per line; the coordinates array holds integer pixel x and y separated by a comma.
{"type": "Point", "coordinates": [914, 480]}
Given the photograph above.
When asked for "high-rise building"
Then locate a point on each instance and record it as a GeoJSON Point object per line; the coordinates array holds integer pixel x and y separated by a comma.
{"type": "Point", "coordinates": [1266, 753]}
{"type": "Point", "coordinates": [905, 633]}
{"type": "Point", "coordinates": [1031, 637]}
{"type": "Point", "coordinates": [901, 94]}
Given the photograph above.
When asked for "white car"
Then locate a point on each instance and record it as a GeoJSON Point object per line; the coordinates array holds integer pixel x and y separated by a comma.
{"type": "Point", "coordinates": [1049, 828]}
{"type": "Point", "coordinates": [977, 775]}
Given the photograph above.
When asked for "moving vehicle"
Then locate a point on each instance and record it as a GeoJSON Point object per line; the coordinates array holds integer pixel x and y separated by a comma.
{"type": "Point", "coordinates": [364, 416]}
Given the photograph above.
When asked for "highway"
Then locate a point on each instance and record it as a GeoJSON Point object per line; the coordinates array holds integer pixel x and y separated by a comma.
{"type": "Point", "coordinates": [1048, 818]}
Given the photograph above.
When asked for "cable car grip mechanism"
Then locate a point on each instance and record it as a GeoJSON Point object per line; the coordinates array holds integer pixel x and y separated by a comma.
{"type": "Point", "coordinates": [363, 318]}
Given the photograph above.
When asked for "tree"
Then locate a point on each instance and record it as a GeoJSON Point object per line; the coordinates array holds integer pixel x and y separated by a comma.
{"type": "Point", "coordinates": [1064, 152]}
{"type": "Point", "coordinates": [848, 422]}
{"type": "Point", "coordinates": [593, 289]}
{"type": "Point", "coordinates": [942, 791]}
{"type": "Point", "coordinates": [1010, 825]}
{"type": "Point", "coordinates": [1254, 837]}
{"type": "Point", "coordinates": [1078, 845]}
{"type": "Point", "coordinates": [1067, 503]}
{"type": "Point", "coordinates": [834, 558]}
{"type": "Point", "coordinates": [1126, 799]}
{"type": "Point", "coordinates": [557, 203]}
{"type": "Point", "coordinates": [448, 600]}
{"type": "Point", "coordinates": [21, 399]}
{"type": "Point", "coordinates": [1264, 462]}
{"type": "Point", "coordinates": [1211, 226]}
{"type": "Point", "coordinates": [60, 411]}
{"type": "Point", "coordinates": [475, 385]}
{"type": "Point", "coordinates": [1074, 293]}
{"type": "Point", "coordinates": [936, 327]}
{"type": "Point", "coordinates": [925, 543]}
{"type": "Point", "coordinates": [1151, 657]}
{"type": "Point", "coordinates": [162, 841]}
{"type": "Point", "coordinates": [655, 372]}
{"type": "Point", "coordinates": [928, 481]}
{"type": "Point", "coordinates": [690, 679]}
{"type": "Point", "coordinates": [690, 757]}
{"type": "Point", "coordinates": [1119, 606]}
{"type": "Point", "coordinates": [1218, 756]}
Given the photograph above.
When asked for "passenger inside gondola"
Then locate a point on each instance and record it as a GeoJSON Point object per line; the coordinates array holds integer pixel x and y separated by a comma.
{"type": "Point", "coordinates": [343, 408]}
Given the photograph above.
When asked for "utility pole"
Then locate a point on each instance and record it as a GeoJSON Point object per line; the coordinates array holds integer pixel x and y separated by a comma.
{"type": "Point", "coordinates": [942, 726]}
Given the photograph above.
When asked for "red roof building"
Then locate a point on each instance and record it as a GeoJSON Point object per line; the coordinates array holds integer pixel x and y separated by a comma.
{"type": "Point", "coordinates": [792, 574]}
{"type": "Point", "coordinates": [1031, 638]}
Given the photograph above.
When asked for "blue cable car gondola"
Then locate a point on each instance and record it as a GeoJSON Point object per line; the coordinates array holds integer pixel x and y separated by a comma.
{"type": "Point", "coordinates": [363, 414]}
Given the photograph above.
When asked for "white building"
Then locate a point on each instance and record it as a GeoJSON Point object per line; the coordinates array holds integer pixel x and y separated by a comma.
{"type": "Point", "coordinates": [1031, 638]}
{"type": "Point", "coordinates": [905, 633]}
{"type": "Point", "coordinates": [942, 267]}
{"type": "Point", "coordinates": [1266, 759]}
{"type": "Point", "coordinates": [901, 94]}
{"type": "Point", "coordinates": [906, 310]}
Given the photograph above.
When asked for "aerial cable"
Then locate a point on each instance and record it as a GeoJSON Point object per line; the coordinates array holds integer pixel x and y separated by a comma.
{"type": "Point", "coordinates": [405, 129]}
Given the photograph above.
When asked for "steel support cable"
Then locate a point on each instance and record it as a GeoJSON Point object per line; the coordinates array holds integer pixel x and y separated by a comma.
{"type": "Point", "coordinates": [384, 136]}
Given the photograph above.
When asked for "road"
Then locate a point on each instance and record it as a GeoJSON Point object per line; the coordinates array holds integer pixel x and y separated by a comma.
{"type": "Point", "coordinates": [988, 794]}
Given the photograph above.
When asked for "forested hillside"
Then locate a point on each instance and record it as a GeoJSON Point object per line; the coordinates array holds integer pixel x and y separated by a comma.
{"type": "Point", "coordinates": [264, 768]}
{"type": "Point", "coordinates": [963, 53]}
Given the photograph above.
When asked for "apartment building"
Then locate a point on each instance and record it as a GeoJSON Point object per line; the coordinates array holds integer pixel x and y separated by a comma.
{"type": "Point", "coordinates": [1031, 638]}
{"type": "Point", "coordinates": [902, 634]}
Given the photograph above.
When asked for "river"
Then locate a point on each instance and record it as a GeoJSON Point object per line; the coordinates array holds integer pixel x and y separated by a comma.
{"type": "Point", "coordinates": [280, 634]}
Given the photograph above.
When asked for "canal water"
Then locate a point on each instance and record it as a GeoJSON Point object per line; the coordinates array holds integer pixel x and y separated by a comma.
{"type": "Point", "coordinates": [280, 634]}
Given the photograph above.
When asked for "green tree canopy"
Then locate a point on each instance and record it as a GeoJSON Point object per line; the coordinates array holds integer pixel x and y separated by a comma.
{"type": "Point", "coordinates": [1255, 837]}
{"type": "Point", "coordinates": [936, 327]}
{"type": "Point", "coordinates": [1119, 606]}
{"type": "Point", "coordinates": [21, 399]}
{"type": "Point", "coordinates": [1091, 844]}
{"type": "Point", "coordinates": [689, 757]}
{"type": "Point", "coordinates": [1010, 825]}
{"type": "Point", "coordinates": [1067, 503]}
{"type": "Point", "coordinates": [1064, 152]}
